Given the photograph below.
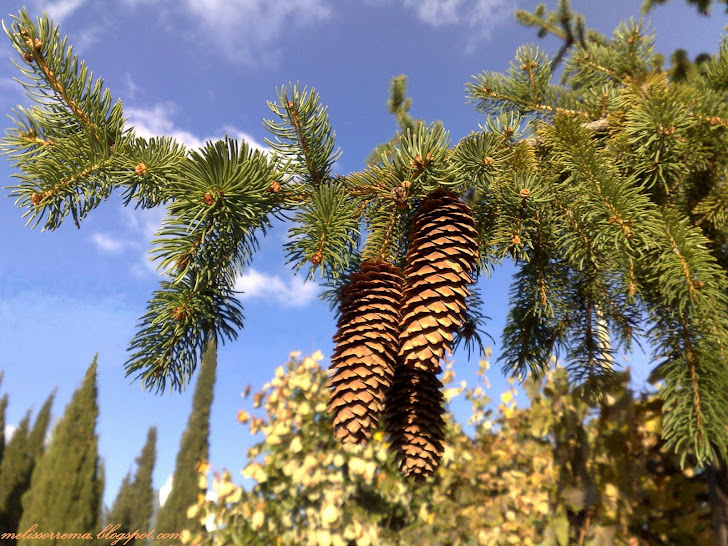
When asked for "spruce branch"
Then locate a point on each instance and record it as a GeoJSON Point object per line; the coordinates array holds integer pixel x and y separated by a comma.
{"type": "Point", "coordinates": [381, 218]}
{"type": "Point", "coordinates": [219, 203]}
{"type": "Point", "coordinates": [703, 6]}
{"type": "Point", "coordinates": [563, 23]}
{"type": "Point", "coordinates": [532, 332]}
{"type": "Point", "coordinates": [473, 329]}
{"type": "Point", "coordinates": [590, 355]}
{"type": "Point", "coordinates": [303, 136]}
{"type": "Point", "coordinates": [399, 105]}
{"type": "Point", "coordinates": [325, 231]}
{"type": "Point", "coordinates": [58, 82]}
{"type": "Point", "coordinates": [525, 88]}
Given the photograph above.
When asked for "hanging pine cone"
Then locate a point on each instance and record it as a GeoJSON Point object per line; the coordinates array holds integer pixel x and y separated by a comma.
{"type": "Point", "coordinates": [366, 350]}
{"type": "Point", "coordinates": [441, 256]}
{"type": "Point", "coordinates": [414, 421]}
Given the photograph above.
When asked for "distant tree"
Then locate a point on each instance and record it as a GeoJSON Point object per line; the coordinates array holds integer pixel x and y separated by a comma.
{"type": "Point", "coordinates": [14, 478]}
{"type": "Point", "coordinates": [23, 451]}
{"type": "Point", "coordinates": [66, 487]}
{"type": "Point", "coordinates": [101, 473]}
{"type": "Point", "coordinates": [194, 448]}
{"type": "Point", "coordinates": [40, 429]}
{"type": "Point", "coordinates": [132, 509]}
{"type": "Point", "coordinates": [3, 406]}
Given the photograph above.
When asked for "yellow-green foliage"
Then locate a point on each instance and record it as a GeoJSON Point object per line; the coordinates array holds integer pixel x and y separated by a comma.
{"type": "Point", "coordinates": [559, 472]}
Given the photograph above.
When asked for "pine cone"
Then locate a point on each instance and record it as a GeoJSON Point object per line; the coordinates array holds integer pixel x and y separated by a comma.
{"type": "Point", "coordinates": [441, 256]}
{"type": "Point", "coordinates": [366, 350]}
{"type": "Point", "coordinates": [414, 421]}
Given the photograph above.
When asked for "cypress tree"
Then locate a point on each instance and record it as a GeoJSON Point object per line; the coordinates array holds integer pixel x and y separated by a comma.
{"type": "Point", "coordinates": [37, 435]}
{"type": "Point", "coordinates": [65, 489]}
{"type": "Point", "coordinates": [132, 509]}
{"type": "Point", "coordinates": [194, 447]}
{"type": "Point", "coordinates": [14, 478]}
{"type": "Point", "coordinates": [23, 451]}
{"type": "Point", "coordinates": [3, 405]}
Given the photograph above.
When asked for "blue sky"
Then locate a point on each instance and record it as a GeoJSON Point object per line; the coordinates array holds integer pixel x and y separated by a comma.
{"type": "Point", "coordinates": [197, 69]}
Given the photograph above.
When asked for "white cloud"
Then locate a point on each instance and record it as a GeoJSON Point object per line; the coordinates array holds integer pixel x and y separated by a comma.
{"type": "Point", "coordinates": [294, 292]}
{"type": "Point", "coordinates": [165, 490]}
{"type": "Point", "coordinates": [143, 223]}
{"type": "Point", "coordinates": [248, 30]}
{"type": "Point", "coordinates": [110, 244]}
{"type": "Point", "coordinates": [9, 431]}
{"type": "Point", "coordinates": [158, 120]}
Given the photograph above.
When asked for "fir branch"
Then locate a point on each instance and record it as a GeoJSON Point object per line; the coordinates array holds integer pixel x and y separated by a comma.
{"type": "Point", "coordinates": [303, 142]}
{"type": "Point", "coordinates": [478, 159]}
{"type": "Point", "coordinates": [399, 105]}
{"type": "Point", "coordinates": [33, 47]}
{"type": "Point", "coordinates": [148, 170]}
{"type": "Point", "coordinates": [66, 146]}
{"type": "Point", "coordinates": [181, 319]}
{"type": "Point", "coordinates": [622, 202]}
{"type": "Point", "coordinates": [569, 247]}
{"type": "Point", "coordinates": [421, 159]}
{"type": "Point", "coordinates": [714, 207]}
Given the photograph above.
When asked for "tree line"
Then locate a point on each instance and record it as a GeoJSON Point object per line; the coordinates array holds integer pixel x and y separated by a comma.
{"type": "Point", "coordinates": [52, 482]}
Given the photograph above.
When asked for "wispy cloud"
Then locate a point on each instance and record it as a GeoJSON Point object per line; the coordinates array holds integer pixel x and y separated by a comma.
{"type": "Point", "coordinates": [294, 292]}
{"type": "Point", "coordinates": [479, 16]}
{"type": "Point", "coordinates": [437, 12]}
{"type": "Point", "coordinates": [59, 9]}
{"type": "Point", "coordinates": [110, 244]}
{"type": "Point", "coordinates": [157, 120]}
{"type": "Point", "coordinates": [131, 87]}
{"type": "Point", "coordinates": [247, 31]}
{"type": "Point", "coordinates": [142, 226]}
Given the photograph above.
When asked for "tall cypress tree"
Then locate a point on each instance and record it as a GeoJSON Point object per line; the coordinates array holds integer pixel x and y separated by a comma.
{"type": "Point", "coordinates": [3, 405]}
{"type": "Point", "coordinates": [194, 447]}
{"type": "Point", "coordinates": [134, 503]}
{"type": "Point", "coordinates": [14, 477]}
{"type": "Point", "coordinates": [23, 452]}
{"type": "Point", "coordinates": [37, 435]}
{"type": "Point", "coordinates": [65, 490]}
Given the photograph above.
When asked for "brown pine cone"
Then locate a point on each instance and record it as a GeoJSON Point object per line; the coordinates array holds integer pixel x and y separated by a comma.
{"type": "Point", "coordinates": [366, 349]}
